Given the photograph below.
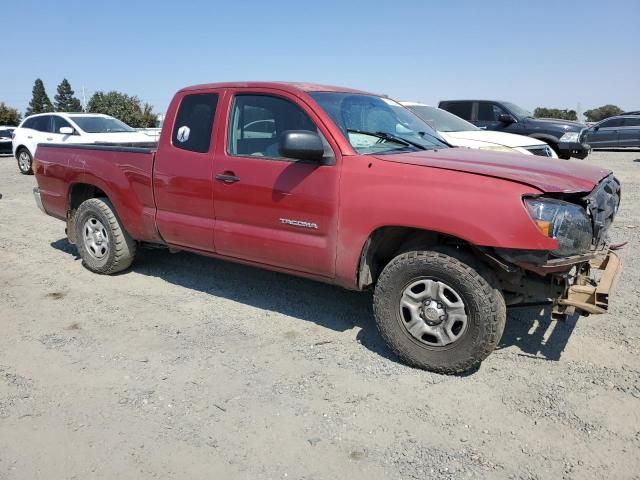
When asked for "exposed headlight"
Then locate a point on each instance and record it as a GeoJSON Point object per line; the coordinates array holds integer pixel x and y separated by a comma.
{"type": "Point", "coordinates": [566, 222]}
{"type": "Point", "coordinates": [499, 148]}
{"type": "Point", "coordinates": [570, 137]}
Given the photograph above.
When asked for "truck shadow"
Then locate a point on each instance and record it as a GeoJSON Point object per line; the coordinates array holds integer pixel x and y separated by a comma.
{"type": "Point", "coordinates": [325, 305]}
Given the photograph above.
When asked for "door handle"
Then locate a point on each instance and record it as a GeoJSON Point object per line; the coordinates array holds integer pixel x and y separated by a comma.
{"type": "Point", "coordinates": [227, 177]}
{"type": "Point", "coordinates": [30, 137]}
{"type": "Point", "coordinates": [49, 139]}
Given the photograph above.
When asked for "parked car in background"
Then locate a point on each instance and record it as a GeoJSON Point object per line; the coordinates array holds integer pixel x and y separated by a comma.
{"type": "Point", "coordinates": [6, 135]}
{"type": "Point", "coordinates": [460, 133]}
{"type": "Point", "coordinates": [352, 189]}
{"type": "Point", "coordinates": [564, 136]}
{"type": "Point", "coordinates": [619, 131]}
{"type": "Point", "coordinates": [71, 128]}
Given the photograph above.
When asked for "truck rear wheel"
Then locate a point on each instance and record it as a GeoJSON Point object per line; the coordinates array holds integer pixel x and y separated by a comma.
{"type": "Point", "coordinates": [438, 310]}
{"type": "Point", "coordinates": [103, 244]}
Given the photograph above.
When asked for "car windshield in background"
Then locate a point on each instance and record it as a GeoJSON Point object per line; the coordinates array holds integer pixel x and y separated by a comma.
{"type": "Point", "coordinates": [376, 124]}
{"type": "Point", "coordinates": [101, 125]}
{"type": "Point", "coordinates": [5, 133]}
{"type": "Point", "coordinates": [442, 120]}
{"type": "Point", "coordinates": [518, 111]}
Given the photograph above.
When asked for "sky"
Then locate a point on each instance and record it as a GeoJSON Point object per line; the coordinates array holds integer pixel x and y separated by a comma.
{"type": "Point", "coordinates": [550, 53]}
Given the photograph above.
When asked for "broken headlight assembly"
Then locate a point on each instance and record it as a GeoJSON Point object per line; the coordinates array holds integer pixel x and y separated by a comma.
{"type": "Point", "coordinates": [566, 222]}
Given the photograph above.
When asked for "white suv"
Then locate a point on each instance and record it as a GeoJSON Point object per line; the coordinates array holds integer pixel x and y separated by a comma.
{"type": "Point", "coordinates": [71, 128]}
{"type": "Point", "coordinates": [460, 133]}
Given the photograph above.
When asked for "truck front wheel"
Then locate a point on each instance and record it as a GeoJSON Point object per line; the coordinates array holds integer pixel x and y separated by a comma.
{"type": "Point", "coordinates": [103, 244]}
{"type": "Point", "coordinates": [439, 310]}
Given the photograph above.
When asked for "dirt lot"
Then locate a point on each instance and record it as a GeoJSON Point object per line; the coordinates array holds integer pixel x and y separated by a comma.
{"type": "Point", "coordinates": [187, 367]}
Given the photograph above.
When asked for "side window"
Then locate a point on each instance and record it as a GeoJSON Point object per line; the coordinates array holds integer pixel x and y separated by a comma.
{"type": "Point", "coordinates": [194, 122]}
{"type": "Point", "coordinates": [58, 123]}
{"type": "Point", "coordinates": [612, 123]}
{"type": "Point", "coordinates": [489, 112]}
{"type": "Point", "coordinates": [257, 121]}
{"type": "Point", "coordinates": [461, 109]}
{"type": "Point", "coordinates": [40, 124]}
{"type": "Point", "coordinates": [632, 122]}
{"type": "Point", "coordinates": [29, 123]}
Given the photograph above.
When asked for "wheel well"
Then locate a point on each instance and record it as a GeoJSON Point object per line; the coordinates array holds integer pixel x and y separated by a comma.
{"type": "Point", "coordinates": [385, 243]}
{"type": "Point", "coordinates": [78, 193]}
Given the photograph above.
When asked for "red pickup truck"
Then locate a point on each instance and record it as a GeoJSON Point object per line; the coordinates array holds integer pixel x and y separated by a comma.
{"type": "Point", "coordinates": [348, 188]}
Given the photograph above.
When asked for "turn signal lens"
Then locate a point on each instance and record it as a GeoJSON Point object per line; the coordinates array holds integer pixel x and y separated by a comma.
{"type": "Point", "coordinates": [544, 226]}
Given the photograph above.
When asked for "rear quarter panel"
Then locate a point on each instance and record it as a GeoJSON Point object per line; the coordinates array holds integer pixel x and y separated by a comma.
{"type": "Point", "coordinates": [124, 176]}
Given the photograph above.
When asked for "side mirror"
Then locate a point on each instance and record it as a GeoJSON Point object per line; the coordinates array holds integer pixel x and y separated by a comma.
{"type": "Point", "coordinates": [506, 118]}
{"type": "Point", "coordinates": [66, 130]}
{"type": "Point", "coordinates": [596, 128]}
{"type": "Point", "coordinates": [301, 145]}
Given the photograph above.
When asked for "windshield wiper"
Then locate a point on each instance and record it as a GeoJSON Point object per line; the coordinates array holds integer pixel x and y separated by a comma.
{"type": "Point", "coordinates": [389, 137]}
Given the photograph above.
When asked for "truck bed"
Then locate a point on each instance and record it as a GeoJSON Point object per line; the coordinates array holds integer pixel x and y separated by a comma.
{"type": "Point", "coordinates": [124, 173]}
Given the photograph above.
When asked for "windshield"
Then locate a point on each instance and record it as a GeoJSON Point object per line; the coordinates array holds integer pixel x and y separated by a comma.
{"type": "Point", "coordinates": [374, 124]}
{"type": "Point", "coordinates": [442, 120]}
{"type": "Point", "coordinates": [101, 125]}
{"type": "Point", "coordinates": [519, 112]}
{"type": "Point", "coordinates": [5, 133]}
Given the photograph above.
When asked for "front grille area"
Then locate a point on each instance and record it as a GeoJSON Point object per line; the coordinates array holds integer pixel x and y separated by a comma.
{"type": "Point", "coordinates": [602, 204]}
{"type": "Point", "coordinates": [540, 150]}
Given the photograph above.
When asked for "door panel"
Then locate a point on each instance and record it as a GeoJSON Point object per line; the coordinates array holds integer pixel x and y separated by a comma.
{"type": "Point", "coordinates": [629, 134]}
{"type": "Point", "coordinates": [606, 135]}
{"type": "Point", "coordinates": [183, 172]}
{"type": "Point", "coordinates": [277, 211]}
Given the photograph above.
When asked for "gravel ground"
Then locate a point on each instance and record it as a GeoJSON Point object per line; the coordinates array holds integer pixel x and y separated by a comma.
{"type": "Point", "coordinates": [188, 367]}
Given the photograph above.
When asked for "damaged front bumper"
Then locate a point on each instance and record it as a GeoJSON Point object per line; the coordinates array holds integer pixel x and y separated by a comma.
{"type": "Point", "coordinates": [591, 287]}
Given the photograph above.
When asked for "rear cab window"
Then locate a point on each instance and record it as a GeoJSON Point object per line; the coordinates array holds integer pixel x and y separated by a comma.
{"type": "Point", "coordinates": [460, 109]}
{"type": "Point", "coordinates": [193, 127]}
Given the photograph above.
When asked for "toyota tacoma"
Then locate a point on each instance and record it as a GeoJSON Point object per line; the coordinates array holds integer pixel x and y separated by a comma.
{"type": "Point", "coordinates": [344, 187]}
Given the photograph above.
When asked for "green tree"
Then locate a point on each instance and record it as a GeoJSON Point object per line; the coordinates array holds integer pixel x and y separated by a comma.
{"type": "Point", "coordinates": [64, 100]}
{"type": "Point", "coordinates": [9, 116]}
{"type": "Point", "coordinates": [40, 102]}
{"type": "Point", "coordinates": [122, 106]}
{"type": "Point", "coordinates": [600, 113]}
{"type": "Point", "coordinates": [149, 117]}
{"type": "Point", "coordinates": [542, 112]}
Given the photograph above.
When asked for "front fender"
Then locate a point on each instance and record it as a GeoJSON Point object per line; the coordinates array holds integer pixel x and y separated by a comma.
{"type": "Point", "coordinates": [481, 210]}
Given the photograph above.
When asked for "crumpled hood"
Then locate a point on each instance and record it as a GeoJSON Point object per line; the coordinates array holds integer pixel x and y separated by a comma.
{"type": "Point", "coordinates": [543, 173]}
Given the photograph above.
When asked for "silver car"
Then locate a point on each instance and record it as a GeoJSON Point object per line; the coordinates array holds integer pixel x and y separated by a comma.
{"type": "Point", "coordinates": [619, 131]}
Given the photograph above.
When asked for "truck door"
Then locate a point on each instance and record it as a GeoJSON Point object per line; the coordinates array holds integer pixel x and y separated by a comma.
{"type": "Point", "coordinates": [605, 134]}
{"type": "Point", "coordinates": [488, 116]}
{"type": "Point", "coordinates": [183, 171]}
{"type": "Point", "coordinates": [270, 209]}
{"type": "Point", "coordinates": [629, 135]}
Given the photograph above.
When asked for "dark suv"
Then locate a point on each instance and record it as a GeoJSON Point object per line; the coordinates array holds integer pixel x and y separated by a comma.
{"type": "Point", "coordinates": [564, 136]}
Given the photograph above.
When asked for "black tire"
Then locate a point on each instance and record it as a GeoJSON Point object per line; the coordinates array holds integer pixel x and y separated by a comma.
{"type": "Point", "coordinates": [476, 286]}
{"type": "Point", "coordinates": [27, 168]}
{"type": "Point", "coordinates": [120, 249]}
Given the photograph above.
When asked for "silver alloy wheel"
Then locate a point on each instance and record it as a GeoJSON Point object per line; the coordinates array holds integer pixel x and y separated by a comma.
{"type": "Point", "coordinates": [96, 238]}
{"type": "Point", "coordinates": [24, 161]}
{"type": "Point", "coordinates": [433, 313]}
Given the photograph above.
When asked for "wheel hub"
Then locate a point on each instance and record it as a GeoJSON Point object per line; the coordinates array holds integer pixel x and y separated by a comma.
{"type": "Point", "coordinates": [96, 239]}
{"type": "Point", "coordinates": [433, 313]}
